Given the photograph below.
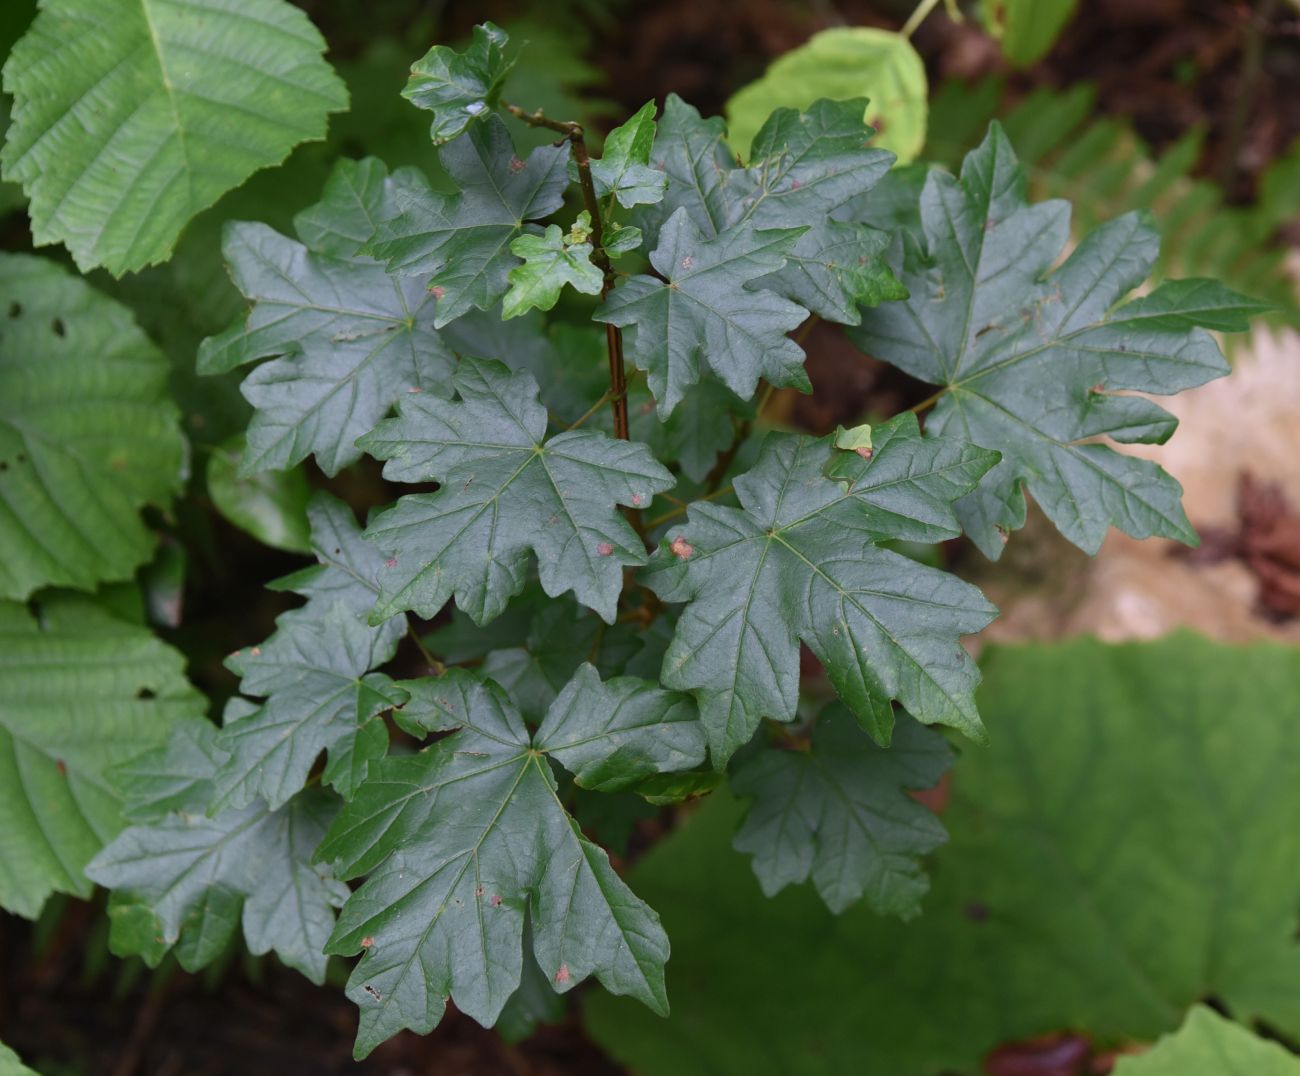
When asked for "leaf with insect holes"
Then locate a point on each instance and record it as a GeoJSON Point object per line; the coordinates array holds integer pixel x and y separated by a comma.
{"type": "Point", "coordinates": [130, 118]}
{"type": "Point", "coordinates": [624, 171]}
{"type": "Point", "coordinates": [461, 241]}
{"type": "Point", "coordinates": [88, 436]}
{"type": "Point", "coordinates": [460, 87]}
{"type": "Point", "coordinates": [700, 312]}
{"type": "Point", "coordinates": [550, 262]}
{"type": "Point", "coordinates": [812, 169]}
{"type": "Point", "coordinates": [345, 338]}
{"type": "Point", "coordinates": [506, 489]}
{"type": "Point", "coordinates": [182, 879]}
{"type": "Point", "coordinates": [802, 560]}
{"type": "Point", "coordinates": [315, 675]}
{"type": "Point", "coordinates": [469, 837]}
{"type": "Point", "coordinates": [1039, 363]}
{"type": "Point", "coordinates": [838, 811]}
{"type": "Point", "coordinates": [80, 691]}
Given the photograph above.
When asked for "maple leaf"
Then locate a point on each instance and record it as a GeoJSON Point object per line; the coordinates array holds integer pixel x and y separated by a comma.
{"type": "Point", "coordinates": [506, 489]}
{"type": "Point", "coordinates": [348, 337]}
{"type": "Point", "coordinates": [802, 559]}
{"type": "Point", "coordinates": [702, 314]}
{"type": "Point", "coordinates": [624, 172]}
{"type": "Point", "coordinates": [467, 840]}
{"type": "Point", "coordinates": [550, 262]}
{"type": "Point", "coordinates": [314, 673]}
{"type": "Point", "coordinates": [186, 880]}
{"type": "Point", "coordinates": [839, 811]}
{"type": "Point", "coordinates": [460, 87]}
{"type": "Point", "coordinates": [1038, 362]}
{"type": "Point", "coordinates": [461, 241]}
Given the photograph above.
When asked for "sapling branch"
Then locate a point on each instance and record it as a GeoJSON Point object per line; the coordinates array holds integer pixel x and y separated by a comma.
{"type": "Point", "coordinates": [613, 335]}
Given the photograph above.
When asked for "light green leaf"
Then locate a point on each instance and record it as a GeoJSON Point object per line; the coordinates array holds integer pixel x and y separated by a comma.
{"type": "Point", "coordinates": [1027, 29]}
{"type": "Point", "coordinates": [80, 691]}
{"type": "Point", "coordinates": [701, 315]}
{"type": "Point", "coordinates": [132, 116]}
{"type": "Point", "coordinates": [348, 338]}
{"type": "Point", "coordinates": [506, 489]}
{"type": "Point", "coordinates": [87, 434]}
{"type": "Point", "coordinates": [1124, 847]}
{"type": "Point", "coordinates": [623, 171]}
{"type": "Point", "coordinates": [461, 241]}
{"type": "Point", "coordinates": [469, 837]}
{"type": "Point", "coordinates": [549, 263]}
{"type": "Point", "coordinates": [271, 506]}
{"type": "Point", "coordinates": [842, 63]}
{"type": "Point", "coordinates": [12, 1065]}
{"type": "Point", "coordinates": [1209, 1045]}
{"type": "Point", "coordinates": [183, 879]}
{"type": "Point", "coordinates": [460, 87]}
{"type": "Point", "coordinates": [801, 560]}
{"type": "Point", "coordinates": [1039, 363]}
{"type": "Point", "coordinates": [838, 810]}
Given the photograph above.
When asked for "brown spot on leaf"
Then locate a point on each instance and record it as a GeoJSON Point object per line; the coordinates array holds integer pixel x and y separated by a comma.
{"type": "Point", "coordinates": [681, 548]}
{"type": "Point", "coordinates": [415, 388]}
{"type": "Point", "coordinates": [495, 900]}
{"type": "Point", "coordinates": [478, 891]}
{"type": "Point", "coordinates": [256, 651]}
{"type": "Point", "coordinates": [367, 942]}
{"type": "Point", "coordinates": [373, 992]}
{"type": "Point", "coordinates": [61, 766]}
{"type": "Point", "coordinates": [516, 165]}
{"type": "Point", "coordinates": [1057, 1054]}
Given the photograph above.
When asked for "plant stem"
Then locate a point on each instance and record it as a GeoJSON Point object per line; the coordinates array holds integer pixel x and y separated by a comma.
{"type": "Point", "coordinates": [666, 516]}
{"type": "Point", "coordinates": [918, 16]}
{"type": "Point", "coordinates": [604, 399]}
{"type": "Point", "coordinates": [613, 335]}
{"type": "Point", "coordinates": [435, 666]}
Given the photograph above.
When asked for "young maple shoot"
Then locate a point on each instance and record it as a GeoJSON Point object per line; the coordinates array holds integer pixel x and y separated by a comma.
{"type": "Point", "coordinates": [621, 563]}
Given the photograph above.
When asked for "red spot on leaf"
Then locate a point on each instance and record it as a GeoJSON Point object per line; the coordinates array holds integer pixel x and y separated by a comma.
{"type": "Point", "coordinates": [795, 184]}
{"type": "Point", "coordinates": [495, 900]}
{"type": "Point", "coordinates": [636, 500]}
{"type": "Point", "coordinates": [61, 766]}
{"type": "Point", "coordinates": [681, 548]}
{"type": "Point", "coordinates": [605, 549]}
{"type": "Point", "coordinates": [415, 388]}
{"type": "Point", "coordinates": [478, 891]}
{"type": "Point", "coordinates": [256, 651]}
{"type": "Point", "coordinates": [437, 291]}
{"type": "Point", "coordinates": [1059, 1054]}
{"type": "Point", "coordinates": [516, 165]}
{"type": "Point", "coordinates": [367, 942]}
{"type": "Point", "coordinates": [563, 976]}
{"type": "Point", "coordinates": [391, 562]}
{"type": "Point", "coordinates": [864, 451]}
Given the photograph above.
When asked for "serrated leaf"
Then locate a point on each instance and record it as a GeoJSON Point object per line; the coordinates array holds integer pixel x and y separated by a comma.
{"type": "Point", "coordinates": [549, 264]}
{"type": "Point", "coordinates": [271, 506]}
{"type": "Point", "coordinates": [182, 879]}
{"type": "Point", "coordinates": [1038, 363]}
{"type": "Point", "coordinates": [320, 697]}
{"type": "Point", "coordinates": [811, 169]}
{"type": "Point", "coordinates": [1124, 848]}
{"type": "Point", "coordinates": [88, 435]}
{"type": "Point", "coordinates": [1209, 1045]}
{"type": "Point", "coordinates": [476, 838]}
{"type": "Point", "coordinates": [315, 674]}
{"type": "Point", "coordinates": [345, 339]}
{"type": "Point", "coordinates": [842, 63]}
{"type": "Point", "coordinates": [624, 170]}
{"type": "Point", "coordinates": [699, 314]}
{"type": "Point", "coordinates": [839, 812]}
{"type": "Point", "coordinates": [801, 560]}
{"type": "Point", "coordinates": [461, 241]}
{"type": "Point", "coordinates": [128, 119]}
{"type": "Point", "coordinates": [80, 691]}
{"type": "Point", "coordinates": [507, 489]}
{"type": "Point", "coordinates": [459, 87]}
